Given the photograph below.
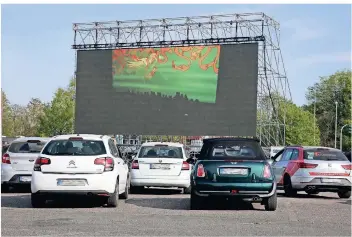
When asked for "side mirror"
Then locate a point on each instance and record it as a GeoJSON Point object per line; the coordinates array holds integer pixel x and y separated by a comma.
{"type": "Point", "coordinates": [270, 161]}
{"type": "Point", "coordinates": [197, 155]}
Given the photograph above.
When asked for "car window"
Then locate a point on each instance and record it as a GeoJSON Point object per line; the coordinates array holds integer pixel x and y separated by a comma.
{"type": "Point", "coordinates": [287, 155]}
{"type": "Point", "coordinates": [236, 149]}
{"type": "Point", "coordinates": [160, 151]}
{"type": "Point", "coordinates": [295, 154]}
{"type": "Point", "coordinates": [76, 148]}
{"type": "Point", "coordinates": [30, 146]}
{"type": "Point", "coordinates": [323, 154]}
{"type": "Point", "coordinates": [113, 148]}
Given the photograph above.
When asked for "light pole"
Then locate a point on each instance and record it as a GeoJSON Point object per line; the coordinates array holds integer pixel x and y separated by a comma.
{"type": "Point", "coordinates": [336, 103]}
{"type": "Point", "coordinates": [315, 108]}
{"type": "Point", "coordinates": [341, 134]}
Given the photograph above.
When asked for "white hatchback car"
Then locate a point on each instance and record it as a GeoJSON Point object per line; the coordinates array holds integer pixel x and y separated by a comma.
{"type": "Point", "coordinates": [161, 164]}
{"type": "Point", "coordinates": [80, 164]}
{"type": "Point", "coordinates": [18, 161]}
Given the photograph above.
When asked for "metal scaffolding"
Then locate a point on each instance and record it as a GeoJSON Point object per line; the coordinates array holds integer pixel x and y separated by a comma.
{"type": "Point", "coordinates": [207, 30]}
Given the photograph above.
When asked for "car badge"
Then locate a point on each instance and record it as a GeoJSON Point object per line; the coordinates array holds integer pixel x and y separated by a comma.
{"type": "Point", "coordinates": [160, 161]}
{"type": "Point", "coordinates": [72, 164]}
{"type": "Point", "coordinates": [214, 178]}
{"type": "Point", "coordinates": [329, 165]}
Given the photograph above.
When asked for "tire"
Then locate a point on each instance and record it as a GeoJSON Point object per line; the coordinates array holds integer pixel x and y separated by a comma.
{"type": "Point", "coordinates": [289, 191]}
{"type": "Point", "coordinates": [187, 190]}
{"type": "Point", "coordinates": [196, 202]}
{"type": "Point", "coordinates": [270, 203]}
{"type": "Point", "coordinates": [344, 194]}
{"type": "Point", "coordinates": [37, 201]}
{"type": "Point", "coordinates": [5, 188]}
{"type": "Point", "coordinates": [113, 200]}
{"type": "Point", "coordinates": [124, 195]}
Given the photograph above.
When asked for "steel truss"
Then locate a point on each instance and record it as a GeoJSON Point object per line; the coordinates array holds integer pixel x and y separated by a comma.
{"type": "Point", "coordinates": [207, 30]}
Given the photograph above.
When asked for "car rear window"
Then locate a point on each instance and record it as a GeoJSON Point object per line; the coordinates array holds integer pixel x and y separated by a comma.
{"type": "Point", "coordinates": [163, 151]}
{"type": "Point", "coordinates": [237, 150]}
{"type": "Point", "coordinates": [30, 146]}
{"type": "Point", "coordinates": [323, 154]}
{"type": "Point", "coordinates": [74, 148]}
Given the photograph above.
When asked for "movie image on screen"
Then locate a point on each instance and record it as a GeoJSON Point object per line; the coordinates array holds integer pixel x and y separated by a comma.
{"type": "Point", "coordinates": [190, 71]}
{"type": "Point", "coordinates": [187, 91]}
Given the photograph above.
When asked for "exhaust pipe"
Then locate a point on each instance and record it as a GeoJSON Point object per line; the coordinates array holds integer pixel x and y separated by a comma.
{"type": "Point", "coordinates": [310, 187]}
{"type": "Point", "coordinates": [255, 199]}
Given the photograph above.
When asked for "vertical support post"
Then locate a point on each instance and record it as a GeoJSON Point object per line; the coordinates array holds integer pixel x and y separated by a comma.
{"type": "Point", "coordinates": [336, 103]}
{"type": "Point", "coordinates": [118, 32]}
{"type": "Point", "coordinates": [211, 27]}
{"type": "Point", "coordinates": [141, 31]}
{"type": "Point", "coordinates": [96, 33]}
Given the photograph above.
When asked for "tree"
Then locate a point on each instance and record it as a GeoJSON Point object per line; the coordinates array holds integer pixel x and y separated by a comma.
{"type": "Point", "coordinates": [58, 115]}
{"type": "Point", "coordinates": [6, 114]}
{"type": "Point", "coordinates": [34, 110]}
{"type": "Point", "coordinates": [324, 94]}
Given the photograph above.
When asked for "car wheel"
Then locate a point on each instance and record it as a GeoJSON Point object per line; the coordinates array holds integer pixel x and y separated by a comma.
{"type": "Point", "coordinates": [37, 201]}
{"type": "Point", "coordinates": [187, 190]}
{"type": "Point", "coordinates": [312, 192]}
{"type": "Point", "coordinates": [136, 189]}
{"type": "Point", "coordinates": [113, 200]}
{"type": "Point", "coordinates": [196, 202]}
{"type": "Point", "coordinates": [344, 194]}
{"type": "Point", "coordinates": [270, 203]}
{"type": "Point", "coordinates": [289, 191]}
{"type": "Point", "coordinates": [124, 195]}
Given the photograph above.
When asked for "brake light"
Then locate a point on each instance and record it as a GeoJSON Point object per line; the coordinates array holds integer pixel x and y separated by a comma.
{"type": "Point", "coordinates": [107, 162]}
{"type": "Point", "coordinates": [267, 172]}
{"type": "Point", "coordinates": [200, 171]}
{"type": "Point", "coordinates": [307, 166]}
{"type": "Point", "coordinates": [39, 162]}
{"type": "Point", "coordinates": [347, 167]}
{"type": "Point", "coordinates": [6, 159]}
{"type": "Point", "coordinates": [185, 166]}
{"type": "Point", "coordinates": [135, 165]}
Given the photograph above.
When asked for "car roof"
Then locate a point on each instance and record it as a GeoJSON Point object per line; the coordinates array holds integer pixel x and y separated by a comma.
{"type": "Point", "coordinates": [84, 136]}
{"type": "Point", "coordinates": [175, 144]}
{"type": "Point", "coordinates": [313, 147]}
{"type": "Point", "coordinates": [24, 139]}
{"type": "Point", "coordinates": [225, 139]}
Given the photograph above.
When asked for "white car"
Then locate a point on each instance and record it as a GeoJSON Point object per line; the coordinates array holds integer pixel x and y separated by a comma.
{"type": "Point", "coordinates": [80, 164]}
{"type": "Point", "coordinates": [161, 164]}
{"type": "Point", "coordinates": [18, 161]}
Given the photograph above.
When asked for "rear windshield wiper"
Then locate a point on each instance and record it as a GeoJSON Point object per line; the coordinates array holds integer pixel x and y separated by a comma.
{"type": "Point", "coordinates": [64, 153]}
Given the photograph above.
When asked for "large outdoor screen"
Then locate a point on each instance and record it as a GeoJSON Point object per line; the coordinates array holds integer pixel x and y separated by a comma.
{"type": "Point", "coordinates": [195, 90]}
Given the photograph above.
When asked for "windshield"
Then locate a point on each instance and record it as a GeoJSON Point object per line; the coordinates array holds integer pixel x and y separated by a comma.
{"type": "Point", "coordinates": [34, 146]}
{"type": "Point", "coordinates": [323, 154]}
{"type": "Point", "coordinates": [76, 148]}
{"type": "Point", "coordinates": [160, 151]}
{"type": "Point", "coordinates": [237, 150]}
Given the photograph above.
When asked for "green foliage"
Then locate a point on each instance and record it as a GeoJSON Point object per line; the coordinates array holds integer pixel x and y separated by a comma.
{"type": "Point", "coordinates": [324, 94]}
{"type": "Point", "coordinates": [58, 116]}
{"type": "Point", "coordinates": [6, 114]}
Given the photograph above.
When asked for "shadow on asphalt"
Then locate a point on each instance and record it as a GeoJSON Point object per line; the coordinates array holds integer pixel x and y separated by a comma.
{"type": "Point", "coordinates": [24, 201]}
{"type": "Point", "coordinates": [159, 191]}
{"type": "Point", "coordinates": [307, 196]}
{"type": "Point", "coordinates": [348, 202]}
{"type": "Point", "coordinates": [184, 204]}
{"type": "Point", "coordinates": [18, 189]}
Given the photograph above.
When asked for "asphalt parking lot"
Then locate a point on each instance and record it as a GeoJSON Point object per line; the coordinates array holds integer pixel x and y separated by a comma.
{"type": "Point", "coordinates": [166, 212]}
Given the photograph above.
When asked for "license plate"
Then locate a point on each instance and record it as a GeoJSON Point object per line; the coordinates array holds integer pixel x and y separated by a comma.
{"type": "Point", "coordinates": [331, 180]}
{"type": "Point", "coordinates": [160, 166]}
{"type": "Point", "coordinates": [25, 178]}
{"type": "Point", "coordinates": [225, 171]}
{"type": "Point", "coordinates": [71, 182]}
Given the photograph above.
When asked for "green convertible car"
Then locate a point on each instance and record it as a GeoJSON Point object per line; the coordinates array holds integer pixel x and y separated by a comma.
{"type": "Point", "coordinates": [233, 168]}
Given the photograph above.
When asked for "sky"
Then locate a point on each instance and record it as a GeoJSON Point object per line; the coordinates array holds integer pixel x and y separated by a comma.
{"type": "Point", "coordinates": [36, 41]}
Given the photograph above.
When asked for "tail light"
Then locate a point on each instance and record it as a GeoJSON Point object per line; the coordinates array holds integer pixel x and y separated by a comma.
{"type": "Point", "coordinates": [135, 165]}
{"type": "Point", "coordinates": [307, 166]}
{"type": "Point", "coordinates": [185, 166]}
{"type": "Point", "coordinates": [107, 162]}
{"type": "Point", "coordinates": [267, 172]}
{"type": "Point", "coordinates": [347, 167]}
{"type": "Point", "coordinates": [200, 171]}
{"type": "Point", "coordinates": [39, 162]}
{"type": "Point", "coordinates": [6, 159]}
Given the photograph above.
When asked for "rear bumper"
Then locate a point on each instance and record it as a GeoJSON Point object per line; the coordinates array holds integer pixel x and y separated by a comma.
{"type": "Point", "coordinates": [57, 194]}
{"type": "Point", "coordinates": [306, 183]}
{"type": "Point", "coordinates": [11, 176]}
{"type": "Point", "coordinates": [42, 183]}
{"type": "Point", "coordinates": [159, 182]}
{"type": "Point", "coordinates": [246, 191]}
